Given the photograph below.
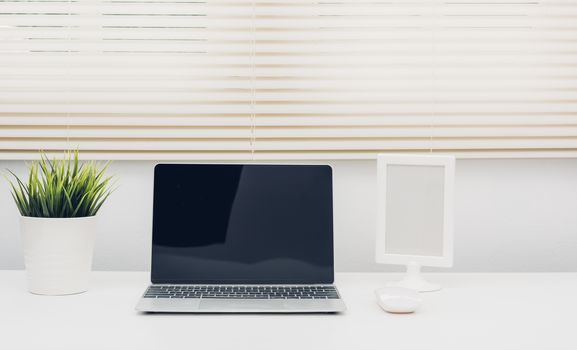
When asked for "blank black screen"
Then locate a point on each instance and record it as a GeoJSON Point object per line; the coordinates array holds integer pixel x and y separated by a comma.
{"type": "Point", "coordinates": [242, 224]}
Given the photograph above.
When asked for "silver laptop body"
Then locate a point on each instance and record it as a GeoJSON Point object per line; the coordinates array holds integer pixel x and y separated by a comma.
{"type": "Point", "coordinates": [239, 305]}
{"type": "Point", "coordinates": [242, 239]}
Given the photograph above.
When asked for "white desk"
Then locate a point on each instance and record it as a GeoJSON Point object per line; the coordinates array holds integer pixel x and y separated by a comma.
{"type": "Point", "coordinates": [473, 311]}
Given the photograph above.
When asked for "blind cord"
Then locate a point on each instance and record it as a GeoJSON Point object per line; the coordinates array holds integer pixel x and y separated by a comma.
{"type": "Point", "coordinates": [433, 79]}
{"type": "Point", "coordinates": [252, 81]}
{"type": "Point", "coordinates": [67, 76]}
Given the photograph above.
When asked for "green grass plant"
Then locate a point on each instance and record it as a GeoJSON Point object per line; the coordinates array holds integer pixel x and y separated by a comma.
{"type": "Point", "coordinates": [62, 188]}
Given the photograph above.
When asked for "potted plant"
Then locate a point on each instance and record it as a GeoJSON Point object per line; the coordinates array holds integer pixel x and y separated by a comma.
{"type": "Point", "coordinates": [58, 207]}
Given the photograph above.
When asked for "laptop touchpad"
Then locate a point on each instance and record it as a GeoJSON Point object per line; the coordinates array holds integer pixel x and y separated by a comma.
{"type": "Point", "coordinates": [240, 304]}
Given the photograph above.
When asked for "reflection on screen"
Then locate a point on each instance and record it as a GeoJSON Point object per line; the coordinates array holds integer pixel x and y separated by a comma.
{"type": "Point", "coordinates": [414, 210]}
{"type": "Point", "coordinates": [242, 224]}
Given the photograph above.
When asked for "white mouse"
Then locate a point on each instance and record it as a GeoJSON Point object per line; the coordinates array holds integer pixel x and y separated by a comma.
{"type": "Point", "coordinates": [398, 300]}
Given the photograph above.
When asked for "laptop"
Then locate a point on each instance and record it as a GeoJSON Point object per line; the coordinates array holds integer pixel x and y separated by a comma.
{"type": "Point", "coordinates": [242, 238]}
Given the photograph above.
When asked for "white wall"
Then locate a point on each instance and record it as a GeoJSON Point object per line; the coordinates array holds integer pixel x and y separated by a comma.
{"type": "Point", "coordinates": [511, 215]}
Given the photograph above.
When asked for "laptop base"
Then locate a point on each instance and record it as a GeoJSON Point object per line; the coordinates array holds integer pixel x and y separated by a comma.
{"type": "Point", "coordinates": [224, 305]}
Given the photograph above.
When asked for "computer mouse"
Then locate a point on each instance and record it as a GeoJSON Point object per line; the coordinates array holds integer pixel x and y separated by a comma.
{"type": "Point", "coordinates": [398, 300]}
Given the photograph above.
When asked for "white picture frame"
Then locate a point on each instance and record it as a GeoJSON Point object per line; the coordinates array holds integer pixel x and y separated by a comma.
{"type": "Point", "coordinates": [448, 163]}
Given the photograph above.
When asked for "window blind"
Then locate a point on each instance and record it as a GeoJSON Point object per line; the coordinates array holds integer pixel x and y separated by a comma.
{"type": "Point", "coordinates": [274, 79]}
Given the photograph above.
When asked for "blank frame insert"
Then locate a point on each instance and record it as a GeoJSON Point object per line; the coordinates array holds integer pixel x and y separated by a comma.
{"type": "Point", "coordinates": [414, 210]}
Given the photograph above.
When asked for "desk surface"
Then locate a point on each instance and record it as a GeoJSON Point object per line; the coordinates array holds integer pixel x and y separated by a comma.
{"type": "Point", "coordinates": [473, 311]}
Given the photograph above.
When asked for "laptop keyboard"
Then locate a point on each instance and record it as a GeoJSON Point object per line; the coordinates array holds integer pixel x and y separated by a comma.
{"type": "Point", "coordinates": [241, 292]}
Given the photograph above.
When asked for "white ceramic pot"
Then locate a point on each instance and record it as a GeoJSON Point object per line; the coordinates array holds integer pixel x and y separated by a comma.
{"type": "Point", "coordinates": [58, 253]}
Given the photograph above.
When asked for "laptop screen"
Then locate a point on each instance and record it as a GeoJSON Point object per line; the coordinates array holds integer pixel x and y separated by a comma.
{"type": "Point", "coordinates": [242, 224]}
